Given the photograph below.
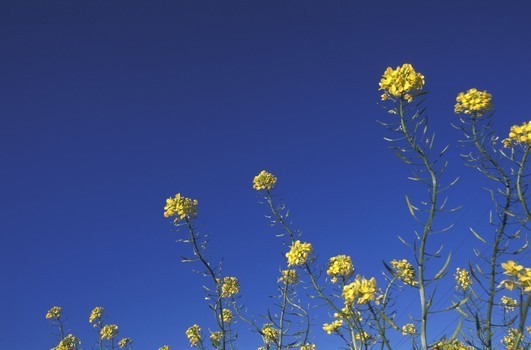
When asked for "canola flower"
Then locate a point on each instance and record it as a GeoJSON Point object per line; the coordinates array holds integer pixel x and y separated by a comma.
{"type": "Point", "coordinates": [264, 181]}
{"type": "Point", "coordinates": [473, 102]}
{"type": "Point", "coordinates": [54, 313]}
{"type": "Point", "coordinates": [348, 312]}
{"type": "Point", "coordinates": [109, 331]}
{"type": "Point", "coordinates": [289, 276]}
{"type": "Point", "coordinates": [270, 333]}
{"type": "Point", "coordinates": [70, 342]}
{"type": "Point", "coordinates": [520, 277]}
{"type": "Point", "coordinates": [333, 327]}
{"type": "Point", "coordinates": [508, 303]}
{"type": "Point", "coordinates": [360, 291]}
{"type": "Point", "coordinates": [451, 345]}
{"type": "Point", "coordinates": [408, 329]}
{"type": "Point", "coordinates": [194, 335]}
{"type": "Point", "coordinates": [180, 207]}
{"type": "Point", "coordinates": [404, 271]}
{"type": "Point", "coordinates": [124, 343]}
{"type": "Point", "coordinates": [165, 347]}
{"type": "Point", "coordinates": [298, 253]}
{"type": "Point", "coordinates": [215, 338]}
{"type": "Point", "coordinates": [308, 347]}
{"type": "Point", "coordinates": [227, 315]}
{"type": "Point", "coordinates": [509, 339]}
{"type": "Point", "coordinates": [519, 134]}
{"type": "Point", "coordinates": [403, 83]}
{"type": "Point", "coordinates": [462, 279]}
{"type": "Point", "coordinates": [96, 314]}
{"type": "Point", "coordinates": [363, 336]}
{"type": "Point", "coordinates": [229, 287]}
{"type": "Point", "coordinates": [340, 266]}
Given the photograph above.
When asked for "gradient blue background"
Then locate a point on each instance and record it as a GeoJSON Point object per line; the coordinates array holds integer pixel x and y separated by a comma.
{"type": "Point", "coordinates": [109, 107]}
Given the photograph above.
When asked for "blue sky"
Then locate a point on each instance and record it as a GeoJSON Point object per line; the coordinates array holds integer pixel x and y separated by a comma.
{"type": "Point", "coordinates": [109, 107]}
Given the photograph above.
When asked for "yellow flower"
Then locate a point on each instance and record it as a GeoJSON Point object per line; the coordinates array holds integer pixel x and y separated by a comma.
{"type": "Point", "coordinates": [451, 345]}
{"type": "Point", "coordinates": [264, 181]}
{"type": "Point", "coordinates": [180, 207]}
{"type": "Point", "coordinates": [307, 347]}
{"type": "Point", "coordinates": [109, 331]}
{"type": "Point", "coordinates": [96, 314]}
{"type": "Point", "coordinates": [215, 337]}
{"type": "Point", "coordinates": [227, 315]}
{"type": "Point", "coordinates": [165, 347]}
{"type": "Point", "coordinates": [70, 342]}
{"type": "Point", "coordinates": [54, 312]}
{"type": "Point", "coordinates": [125, 342]}
{"type": "Point", "coordinates": [473, 102]}
{"type": "Point", "coordinates": [462, 279]}
{"type": "Point", "coordinates": [509, 339]}
{"type": "Point", "coordinates": [348, 312]}
{"type": "Point", "coordinates": [363, 336]}
{"type": "Point", "coordinates": [404, 271]}
{"type": "Point", "coordinates": [360, 291]}
{"type": "Point", "coordinates": [193, 334]}
{"type": "Point", "coordinates": [508, 303]}
{"type": "Point", "coordinates": [332, 327]}
{"type": "Point", "coordinates": [298, 253]}
{"type": "Point", "coordinates": [511, 268]}
{"type": "Point", "coordinates": [519, 134]}
{"type": "Point", "coordinates": [408, 329]}
{"type": "Point", "coordinates": [270, 333]}
{"type": "Point", "coordinates": [229, 287]}
{"type": "Point", "coordinates": [289, 276]}
{"type": "Point", "coordinates": [402, 82]}
{"type": "Point", "coordinates": [340, 266]}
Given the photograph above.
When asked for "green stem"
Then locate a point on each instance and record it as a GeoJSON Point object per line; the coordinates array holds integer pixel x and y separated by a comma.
{"type": "Point", "coordinates": [427, 227]}
{"type": "Point", "coordinates": [519, 183]}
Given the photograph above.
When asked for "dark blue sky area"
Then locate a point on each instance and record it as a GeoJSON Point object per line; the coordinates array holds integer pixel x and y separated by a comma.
{"type": "Point", "coordinates": [109, 107]}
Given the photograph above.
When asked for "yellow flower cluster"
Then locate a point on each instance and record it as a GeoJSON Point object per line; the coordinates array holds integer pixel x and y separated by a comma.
{"type": "Point", "coordinates": [165, 347]}
{"type": "Point", "coordinates": [519, 134]}
{"type": "Point", "coordinates": [227, 315]}
{"type": "Point", "coordinates": [408, 329]}
{"type": "Point", "coordinates": [264, 181]}
{"type": "Point", "coordinates": [332, 327]}
{"type": "Point", "coordinates": [340, 266]}
{"type": "Point", "coordinates": [451, 345]}
{"type": "Point", "coordinates": [473, 102]}
{"type": "Point", "coordinates": [404, 271]}
{"type": "Point", "coordinates": [194, 335]}
{"type": "Point", "coordinates": [402, 82]}
{"type": "Point", "coordinates": [462, 279]}
{"type": "Point", "coordinates": [215, 337]}
{"type": "Point", "coordinates": [96, 314]}
{"type": "Point", "coordinates": [180, 207]}
{"type": "Point", "coordinates": [70, 342]}
{"type": "Point", "coordinates": [289, 276]}
{"type": "Point", "coordinates": [363, 336]}
{"type": "Point", "coordinates": [509, 339]}
{"type": "Point", "coordinates": [520, 276]}
{"type": "Point", "coordinates": [307, 347]}
{"type": "Point", "coordinates": [109, 331]}
{"type": "Point", "coordinates": [54, 312]}
{"type": "Point", "coordinates": [229, 287]}
{"type": "Point", "coordinates": [508, 303]}
{"type": "Point", "coordinates": [360, 291]}
{"type": "Point", "coordinates": [124, 343]}
{"type": "Point", "coordinates": [298, 253]}
{"type": "Point", "coordinates": [269, 333]}
{"type": "Point", "coordinates": [348, 312]}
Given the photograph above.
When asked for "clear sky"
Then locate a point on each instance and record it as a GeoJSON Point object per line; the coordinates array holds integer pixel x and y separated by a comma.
{"type": "Point", "coordinates": [109, 107]}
